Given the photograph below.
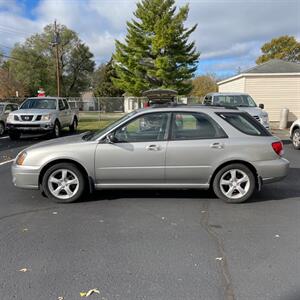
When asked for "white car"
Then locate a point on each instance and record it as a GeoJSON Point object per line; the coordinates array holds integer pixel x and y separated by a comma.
{"type": "Point", "coordinates": [295, 134]}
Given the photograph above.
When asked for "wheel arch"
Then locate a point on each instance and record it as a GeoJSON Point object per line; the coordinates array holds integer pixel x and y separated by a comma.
{"type": "Point", "coordinates": [88, 179]}
{"type": "Point", "coordinates": [236, 161]}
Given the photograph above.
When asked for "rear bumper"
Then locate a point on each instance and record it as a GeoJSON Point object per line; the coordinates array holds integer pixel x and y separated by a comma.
{"type": "Point", "coordinates": [272, 170]}
{"type": "Point", "coordinates": [26, 128]}
{"type": "Point", "coordinates": [25, 177]}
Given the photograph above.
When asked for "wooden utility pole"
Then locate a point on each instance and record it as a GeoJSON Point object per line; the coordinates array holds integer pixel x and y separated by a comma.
{"type": "Point", "coordinates": [56, 43]}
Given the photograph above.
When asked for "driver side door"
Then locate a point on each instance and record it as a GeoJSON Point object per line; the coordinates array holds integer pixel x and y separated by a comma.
{"type": "Point", "coordinates": [136, 157]}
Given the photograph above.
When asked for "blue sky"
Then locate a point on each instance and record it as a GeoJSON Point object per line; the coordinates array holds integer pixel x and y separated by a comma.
{"type": "Point", "coordinates": [229, 33]}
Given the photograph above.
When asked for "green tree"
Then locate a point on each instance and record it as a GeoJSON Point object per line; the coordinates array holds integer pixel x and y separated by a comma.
{"type": "Point", "coordinates": [203, 85]}
{"type": "Point", "coordinates": [35, 65]}
{"type": "Point", "coordinates": [103, 85]}
{"type": "Point", "coordinates": [157, 52]}
{"type": "Point", "coordinates": [284, 47]}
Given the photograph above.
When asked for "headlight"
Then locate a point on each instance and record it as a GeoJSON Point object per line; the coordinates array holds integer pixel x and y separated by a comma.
{"type": "Point", "coordinates": [10, 118]}
{"type": "Point", "coordinates": [20, 158]}
{"type": "Point", "coordinates": [46, 117]}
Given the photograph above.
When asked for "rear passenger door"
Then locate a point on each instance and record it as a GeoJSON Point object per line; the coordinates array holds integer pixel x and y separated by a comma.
{"type": "Point", "coordinates": [195, 142]}
{"type": "Point", "coordinates": [69, 115]}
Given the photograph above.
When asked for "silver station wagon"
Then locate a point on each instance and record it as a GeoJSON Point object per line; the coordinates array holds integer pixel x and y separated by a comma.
{"type": "Point", "coordinates": [176, 147]}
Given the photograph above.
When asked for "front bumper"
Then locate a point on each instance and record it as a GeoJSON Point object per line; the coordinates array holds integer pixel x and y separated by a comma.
{"type": "Point", "coordinates": [272, 170]}
{"type": "Point", "coordinates": [25, 177]}
{"type": "Point", "coordinates": [29, 127]}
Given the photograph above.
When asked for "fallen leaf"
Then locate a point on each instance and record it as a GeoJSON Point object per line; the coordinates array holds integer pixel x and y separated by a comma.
{"type": "Point", "coordinates": [25, 229]}
{"type": "Point", "coordinates": [60, 298]}
{"type": "Point", "coordinates": [277, 235]}
{"type": "Point", "coordinates": [54, 213]}
{"type": "Point", "coordinates": [203, 211]}
{"type": "Point", "coordinates": [219, 258]}
{"type": "Point", "coordinates": [90, 292]}
{"type": "Point", "coordinates": [23, 270]}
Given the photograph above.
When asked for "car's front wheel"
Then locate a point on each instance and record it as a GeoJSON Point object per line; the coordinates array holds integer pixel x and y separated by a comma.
{"type": "Point", "coordinates": [63, 183]}
{"type": "Point", "coordinates": [234, 183]}
{"type": "Point", "coordinates": [296, 139]}
{"type": "Point", "coordinates": [2, 128]}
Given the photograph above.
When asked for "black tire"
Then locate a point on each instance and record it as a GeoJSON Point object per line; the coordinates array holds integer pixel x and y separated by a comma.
{"type": "Point", "coordinates": [56, 130]}
{"type": "Point", "coordinates": [14, 135]}
{"type": "Point", "coordinates": [296, 139]}
{"type": "Point", "coordinates": [65, 166]}
{"type": "Point", "coordinates": [73, 126]}
{"type": "Point", "coordinates": [220, 191]}
{"type": "Point", "coordinates": [2, 128]}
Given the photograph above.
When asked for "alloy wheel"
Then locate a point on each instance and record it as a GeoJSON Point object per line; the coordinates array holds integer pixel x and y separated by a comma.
{"type": "Point", "coordinates": [235, 184]}
{"type": "Point", "coordinates": [63, 184]}
{"type": "Point", "coordinates": [296, 139]}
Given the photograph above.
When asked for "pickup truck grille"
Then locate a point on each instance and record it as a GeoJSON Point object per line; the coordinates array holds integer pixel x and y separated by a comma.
{"type": "Point", "coordinates": [26, 118]}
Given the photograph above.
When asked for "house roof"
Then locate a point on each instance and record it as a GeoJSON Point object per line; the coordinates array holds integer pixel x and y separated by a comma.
{"type": "Point", "coordinates": [275, 66]}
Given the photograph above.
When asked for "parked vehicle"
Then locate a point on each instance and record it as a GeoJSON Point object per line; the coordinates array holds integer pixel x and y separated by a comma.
{"type": "Point", "coordinates": [5, 109]}
{"type": "Point", "coordinates": [42, 115]}
{"type": "Point", "coordinates": [242, 101]}
{"type": "Point", "coordinates": [295, 134]}
{"type": "Point", "coordinates": [205, 147]}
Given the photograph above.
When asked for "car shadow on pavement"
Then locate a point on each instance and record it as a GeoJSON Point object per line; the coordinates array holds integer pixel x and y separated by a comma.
{"type": "Point", "coordinates": [161, 193]}
{"type": "Point", "coordinates": [281, 190]}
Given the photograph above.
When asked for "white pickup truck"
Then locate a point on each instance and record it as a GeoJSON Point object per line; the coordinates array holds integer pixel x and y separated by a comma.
{"type": "Point", "coordinates": [42, 115]}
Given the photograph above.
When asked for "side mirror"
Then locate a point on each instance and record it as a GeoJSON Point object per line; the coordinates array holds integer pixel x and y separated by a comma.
{"type": "Point", "coordinates": [261, 105]}
{"type": "Point", "coordinates": [111, 138]}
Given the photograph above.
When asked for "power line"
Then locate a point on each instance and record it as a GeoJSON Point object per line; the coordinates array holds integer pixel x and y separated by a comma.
{"type": "Point", "coordinates": [5, 27]}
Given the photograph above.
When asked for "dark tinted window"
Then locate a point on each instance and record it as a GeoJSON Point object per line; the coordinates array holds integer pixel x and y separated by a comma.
{"type": "Point", "coordinates": [245, 123]}
{"type": "Point", "coordinates": [145, 128]}
{"type": "Point", "coordinates": [193, 126]}
{"type": "Point", "coordinates": [66, 104]}
{"type": "Point", "coordinates": [61, 105]}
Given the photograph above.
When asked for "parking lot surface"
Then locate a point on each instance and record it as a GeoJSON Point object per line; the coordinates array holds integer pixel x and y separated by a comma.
{"type": "Point", "coordinates": [154, 245]}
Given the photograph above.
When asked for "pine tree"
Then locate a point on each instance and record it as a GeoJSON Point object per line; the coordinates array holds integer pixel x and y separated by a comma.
{"type": "Point", "coordinates": [157, 52]}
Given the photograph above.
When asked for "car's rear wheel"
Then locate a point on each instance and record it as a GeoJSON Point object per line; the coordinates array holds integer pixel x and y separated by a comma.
{"type": "Point", "coordinates": [2, 128]}
{"type": "Point", "coordinates": [296, 139]}
{"type": "Point", "coordinates": [73, 126]}
{"type": "Point", "coordinates": [234, 183]}
{"type": "Point", "coordinates": [63, 183]}
{"type": "Point", "coordinates": [14, 135]}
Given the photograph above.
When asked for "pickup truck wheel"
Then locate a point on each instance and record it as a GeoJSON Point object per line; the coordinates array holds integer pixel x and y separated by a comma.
{"type": "Point", "coordinates": [73, 126]}
{"type": "Point", "coordinates": [234, 183]}
{"type": "Point", "coordinates": [14, 135]}
{"type": "Point", "coordinates": [56, 130]}
{"type": "Point", "coordinates": [2, 128]}
{"type": "Point", "coordinates": [63, 183]}
{"type": "Point", "coordinates": [296, 139]}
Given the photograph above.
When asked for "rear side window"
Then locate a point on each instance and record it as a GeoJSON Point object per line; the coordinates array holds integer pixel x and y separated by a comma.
{"type": "Point", "coordinates": [194, 126]}
{"type": "Point", "coordinates": [245, 123]}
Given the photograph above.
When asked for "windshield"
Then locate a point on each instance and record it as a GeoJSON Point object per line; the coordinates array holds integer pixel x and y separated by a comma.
{"type": "Point", "coordinates": [234, 100]}
{"type": "Point", "coordinates": [39, 104]}
{"type": "Point", "coordinates": [95, 135]}
{"type": "Point", "coordinates": [1, 108]}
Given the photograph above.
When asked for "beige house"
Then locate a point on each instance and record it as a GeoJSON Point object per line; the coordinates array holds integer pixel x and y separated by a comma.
{"type": "Point", "coordinates": [275, 83]}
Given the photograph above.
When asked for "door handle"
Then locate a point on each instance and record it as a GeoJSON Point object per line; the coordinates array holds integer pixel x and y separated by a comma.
{"type": "Point", "coordinates": [217, 146]}
{"type": "Point", "coordinates": [152, 148]}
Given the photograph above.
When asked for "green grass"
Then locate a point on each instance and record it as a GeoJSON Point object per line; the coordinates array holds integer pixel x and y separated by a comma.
{"type": "Point", "coordinates": [93, 125]}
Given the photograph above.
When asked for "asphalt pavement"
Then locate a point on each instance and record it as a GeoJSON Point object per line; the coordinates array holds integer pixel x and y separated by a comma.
{"type": "Point", "coordinates": [156, 245]}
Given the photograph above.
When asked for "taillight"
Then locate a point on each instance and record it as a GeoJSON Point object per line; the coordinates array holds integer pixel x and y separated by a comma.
{"type": "Point", "coordinates": [278, 148]}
